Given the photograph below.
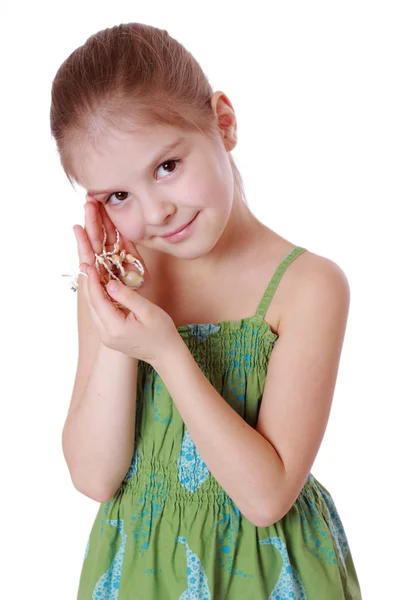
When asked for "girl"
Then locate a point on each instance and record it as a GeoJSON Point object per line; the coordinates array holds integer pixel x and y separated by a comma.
{"type": "Point", "coordinates": [200, 402]}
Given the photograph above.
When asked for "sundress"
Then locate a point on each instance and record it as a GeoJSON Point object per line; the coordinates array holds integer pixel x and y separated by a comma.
{"type": "Point", "coordinates": [171, 532]}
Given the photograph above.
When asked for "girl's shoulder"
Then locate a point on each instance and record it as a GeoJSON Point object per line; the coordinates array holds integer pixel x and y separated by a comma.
{"type": "Point", "coordinates": [308, 272]}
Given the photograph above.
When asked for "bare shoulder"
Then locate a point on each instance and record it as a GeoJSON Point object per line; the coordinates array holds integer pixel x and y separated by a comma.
{"type": "Point", "coordinates": [315, 270]}
{"type": "Point", "coordinates": [316, 283]}
{"type": "Point", "coordinates": [309, 281]}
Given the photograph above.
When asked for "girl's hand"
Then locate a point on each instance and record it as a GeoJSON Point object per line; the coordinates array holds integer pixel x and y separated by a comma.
{"type": "Point", "coordinates": [143, 331]}
{"type": "Point", "coordinates": [90, 240]}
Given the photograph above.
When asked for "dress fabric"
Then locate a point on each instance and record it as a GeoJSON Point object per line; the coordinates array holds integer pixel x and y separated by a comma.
{"type": "Point", "coordinates": [171, 532]}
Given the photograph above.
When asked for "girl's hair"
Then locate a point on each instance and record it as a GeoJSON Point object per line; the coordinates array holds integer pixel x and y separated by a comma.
{"type": "Point", "coordinates": [129, 69]}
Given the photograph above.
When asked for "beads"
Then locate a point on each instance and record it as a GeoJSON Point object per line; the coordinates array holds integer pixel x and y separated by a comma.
{"type": "Point", "coordinates": [113, 265]}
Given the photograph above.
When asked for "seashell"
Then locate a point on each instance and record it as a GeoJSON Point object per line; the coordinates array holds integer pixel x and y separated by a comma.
{"type": "Point", "coordinates": [133, 279]}
{"type": "Point", "coordinates": [116, 259]}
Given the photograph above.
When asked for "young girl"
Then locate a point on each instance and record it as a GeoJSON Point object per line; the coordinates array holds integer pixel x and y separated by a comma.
{"type": "Point", "coordinates": [200, 402]}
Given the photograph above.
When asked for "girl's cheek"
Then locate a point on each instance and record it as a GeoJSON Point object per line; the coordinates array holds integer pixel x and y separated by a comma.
{"type": "Point", "coordinates": [135, 234]}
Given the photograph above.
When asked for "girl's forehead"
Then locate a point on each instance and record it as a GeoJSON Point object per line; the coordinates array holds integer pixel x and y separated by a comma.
{"type": "Point", "coordinates": [139, 140]}
{"type": "Point", "coordinates": [101, 142]}
{"type": "Point", "coordinates": [115, 155]}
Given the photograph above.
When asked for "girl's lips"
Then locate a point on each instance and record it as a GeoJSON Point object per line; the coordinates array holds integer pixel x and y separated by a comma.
{"type": "Point", "coordinates": [176, 237]}
{"type": "Point", "coordinates": [180, 229]}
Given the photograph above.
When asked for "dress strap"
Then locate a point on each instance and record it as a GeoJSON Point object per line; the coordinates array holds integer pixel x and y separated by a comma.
{"type": "Point", "coordinates": [273, 284]}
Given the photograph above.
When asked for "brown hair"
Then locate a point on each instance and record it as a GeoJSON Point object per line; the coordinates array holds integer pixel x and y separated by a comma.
{"type": "Point", "coordinates": [129, 67]}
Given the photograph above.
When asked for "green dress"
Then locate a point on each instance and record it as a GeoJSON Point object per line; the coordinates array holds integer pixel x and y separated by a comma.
{"type": "Point", "coordinates": [172, 533]}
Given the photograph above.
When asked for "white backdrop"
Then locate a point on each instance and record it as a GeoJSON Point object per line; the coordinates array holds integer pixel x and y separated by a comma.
{"type": "Point", "coordinates": [315, 87]}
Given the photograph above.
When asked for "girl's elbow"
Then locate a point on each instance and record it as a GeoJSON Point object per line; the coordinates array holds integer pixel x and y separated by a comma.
{"type": "Point", "coordinates": [98, 493]}
{"type": "Point", "coordinates": [258, 518]}
{"type": "Point", "coordinates": [265, 519]}
{"type": "Point", "coordinates": [261, 521]}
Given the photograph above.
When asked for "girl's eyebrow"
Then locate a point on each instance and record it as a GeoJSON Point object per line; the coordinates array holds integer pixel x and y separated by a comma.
{"type": "Point", "coordinates": [159, 156]}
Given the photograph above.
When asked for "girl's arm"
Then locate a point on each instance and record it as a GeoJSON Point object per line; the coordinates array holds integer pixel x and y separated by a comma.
{"type": "Point", "coordinates": [264, 469]}
{"type": "Point", "coordinates": [99, 432]}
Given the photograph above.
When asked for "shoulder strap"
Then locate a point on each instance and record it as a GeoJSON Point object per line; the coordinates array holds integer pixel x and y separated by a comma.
{"type": "Point", "coordinates": [273, 284]}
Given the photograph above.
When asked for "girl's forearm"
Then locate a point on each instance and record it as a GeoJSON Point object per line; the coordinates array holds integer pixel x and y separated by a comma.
{"type": "Point", "coordinates": [243, 462]}
{"type": "Point", "coordinates": [98, 435]}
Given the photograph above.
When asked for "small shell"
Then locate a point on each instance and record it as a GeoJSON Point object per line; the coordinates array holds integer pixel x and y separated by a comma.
{"type": "Point", "coordinates": [135, 261]}
{"type": "Point", "coordinates": [116, 259]}
{"type": "Point", "coordinates": [133, 279]}
{"type": "Point", "coordinates": [123, 253]}
{"type": "Point", "coordinates": [116, 247]}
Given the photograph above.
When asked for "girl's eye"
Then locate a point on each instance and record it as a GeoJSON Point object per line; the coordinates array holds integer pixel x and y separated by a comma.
{"type": "Point", "coordinates": [166, 162]}
{"type": "Point", "coordinates": [169, 162]}
{"type": "Point", "coordinates": [114, 194]}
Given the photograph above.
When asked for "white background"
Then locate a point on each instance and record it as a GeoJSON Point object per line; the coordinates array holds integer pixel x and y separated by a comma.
{"type": "Point", "coordinates": [315, 87]}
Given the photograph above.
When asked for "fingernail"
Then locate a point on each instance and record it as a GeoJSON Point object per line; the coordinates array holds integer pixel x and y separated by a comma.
{"type": "Point", "coordinates": [112, 286]}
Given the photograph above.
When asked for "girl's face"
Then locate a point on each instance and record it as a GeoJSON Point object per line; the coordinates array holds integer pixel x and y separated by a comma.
{"type": "Point", "coordinates": [148, 192]}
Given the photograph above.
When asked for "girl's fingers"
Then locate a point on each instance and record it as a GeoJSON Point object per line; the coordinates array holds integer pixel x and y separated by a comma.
{"type": "Point", "coordinates": [85, 250]}
{"type": "Point", "coordinates": [95, 217]}
{"type": "Point", "coordinates": [93, 227]}
{"type": "Point", "coordinates": [109, 226]}
{"type": "Point", "coordinates": [106, 311]}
